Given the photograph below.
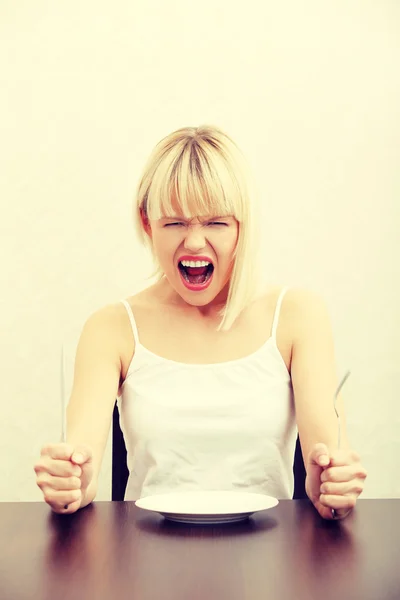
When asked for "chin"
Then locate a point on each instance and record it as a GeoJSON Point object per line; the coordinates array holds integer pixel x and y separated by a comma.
{"type": "Point", "coordinates": [198, 301]}
{"type": "Point", "coordinates": [196, 298]}
{"type": "Point", "coordinates": [203, 298]}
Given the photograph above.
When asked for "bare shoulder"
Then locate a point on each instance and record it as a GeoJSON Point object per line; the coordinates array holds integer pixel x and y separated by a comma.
{"type": "Point", "coordinates": [107, 318]}
{"type": "Point", "coordinates": [102, 334]}
{"type": "Point", "coordinates": [302, 298]}
{"type": "Point", "coordinates": [269, 295]}
{"type": "Point", "coordinates": [116, 315]}
{"type": "Point", "coordinates": [297, 302]}
{"type": "Point", "coordinates": [139, 303]}
{"type": "Point", "coordinates": [304, 311]}
{"type": "Point", "coordinates": [304, 303]}
{"type": "Point", "coordinates": [107, 333]}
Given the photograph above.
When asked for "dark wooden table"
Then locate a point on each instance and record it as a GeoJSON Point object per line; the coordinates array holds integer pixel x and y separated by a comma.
{"type": "Point", "coordinates": [115, 550]}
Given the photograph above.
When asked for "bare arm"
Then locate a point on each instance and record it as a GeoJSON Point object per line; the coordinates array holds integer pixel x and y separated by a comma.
{"type": "Point", "coordinates": [314, 375]}
{"type": "Point", "coordinates": [335, 477]}
{"type": "Point", "coordinates": [95, 388]}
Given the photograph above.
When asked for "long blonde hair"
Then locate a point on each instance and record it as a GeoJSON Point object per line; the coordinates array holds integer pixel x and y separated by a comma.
{"type": "Point", "coordinates": [203, 170]}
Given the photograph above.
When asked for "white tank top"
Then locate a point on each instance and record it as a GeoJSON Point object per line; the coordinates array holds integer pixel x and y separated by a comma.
{"type": "Point", "coordinates": [223, 426]}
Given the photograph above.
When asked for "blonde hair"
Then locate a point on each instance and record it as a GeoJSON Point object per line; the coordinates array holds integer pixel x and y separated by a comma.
{"type": "Point", "coordinates": [202, 170]}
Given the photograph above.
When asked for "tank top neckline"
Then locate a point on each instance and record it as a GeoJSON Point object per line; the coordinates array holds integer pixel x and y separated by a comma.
{"type": "Point", "coordinates": [243, 359]}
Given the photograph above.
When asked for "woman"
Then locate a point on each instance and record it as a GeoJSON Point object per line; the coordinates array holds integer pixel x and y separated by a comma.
{"type": "Point", "coordinates": [213, 373]}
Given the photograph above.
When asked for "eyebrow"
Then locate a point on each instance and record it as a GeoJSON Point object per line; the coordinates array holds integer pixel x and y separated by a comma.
{"type": "Point", "coordinates": [216, 218]}
{"type": "Point", "coordinates": [174, 219]}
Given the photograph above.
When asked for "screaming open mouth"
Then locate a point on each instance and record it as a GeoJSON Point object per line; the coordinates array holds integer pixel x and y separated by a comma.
{"type": "Point", "coordinates": [196, 275]}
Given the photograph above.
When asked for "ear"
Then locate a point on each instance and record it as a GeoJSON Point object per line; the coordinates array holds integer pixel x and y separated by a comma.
{"type": "Point", "coordinates": [145, 222]}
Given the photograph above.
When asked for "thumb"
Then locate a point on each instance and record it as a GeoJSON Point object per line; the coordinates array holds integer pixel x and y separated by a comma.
{"type": "Point", "coordinates": [82, 455]}
{"type": "Point", "coordinates": [319, 456]}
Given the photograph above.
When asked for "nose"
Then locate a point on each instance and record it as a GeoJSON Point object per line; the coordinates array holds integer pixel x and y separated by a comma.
{"type": "Point", "coordinates": [195, 239]}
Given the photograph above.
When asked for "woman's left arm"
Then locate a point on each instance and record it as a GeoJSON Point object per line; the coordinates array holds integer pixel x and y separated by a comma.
{"type": "Point", "coordinates": [335, 476]}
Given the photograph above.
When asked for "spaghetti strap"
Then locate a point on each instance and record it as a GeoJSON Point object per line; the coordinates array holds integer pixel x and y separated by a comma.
{"type": "Point", "coordinates": [132, 320]}
{"type": "Point", "coordinates": [277, 312]}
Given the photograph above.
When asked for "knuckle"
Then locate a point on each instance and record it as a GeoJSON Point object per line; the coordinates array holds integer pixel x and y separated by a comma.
{"type": "Point", "coordinates": [63, 469]}
{"type": "Point", "coordinates": [48, 497]}
{"type": "Point", "coordinates": [326, 474]}
{"type": "Point", "coordinates": [352, 501]}
{"type": "Point", "coordinates": [75, 495]}
{"type": "Point", "coordinates": [39, 466]}
{"type": "Point", "coordinates": [48, 449]}
{"type": "Point", "coordinates": [330, 475]}
{"type": "Point", "coordinates": [75, 471]}
{"type": "Point", "coordinates": [59, 511]}
{"type": "Point", "coordinates": [44, 450]}
{"type": "Point", "coordinates": [75, 483]}
{"type": "Point", "coordinates": [41, 480]}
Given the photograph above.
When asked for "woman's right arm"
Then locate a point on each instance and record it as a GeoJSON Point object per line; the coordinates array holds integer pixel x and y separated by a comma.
{"type": "Point", "coordinates": [65, 477]}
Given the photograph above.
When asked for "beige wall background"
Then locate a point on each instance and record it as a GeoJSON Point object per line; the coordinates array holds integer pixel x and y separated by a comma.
{"type": "Point", "coordinates": [309, 90]}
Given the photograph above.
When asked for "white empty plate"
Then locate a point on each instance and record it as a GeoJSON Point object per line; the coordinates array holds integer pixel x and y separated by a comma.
{"type": "Point", "coordinates": [207, 508]}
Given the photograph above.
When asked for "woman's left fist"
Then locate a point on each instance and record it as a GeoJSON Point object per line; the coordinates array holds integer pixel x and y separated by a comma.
{"type": "Point", "coordinates": [334, 480]}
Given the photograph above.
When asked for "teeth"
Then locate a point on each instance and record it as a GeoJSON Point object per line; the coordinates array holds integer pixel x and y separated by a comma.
{"type": "Point", "coordinates": [194, 263]}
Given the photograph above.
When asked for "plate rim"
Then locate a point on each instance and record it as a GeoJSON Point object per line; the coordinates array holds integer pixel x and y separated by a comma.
{"type": "Point", "coordinates": [272, 502]}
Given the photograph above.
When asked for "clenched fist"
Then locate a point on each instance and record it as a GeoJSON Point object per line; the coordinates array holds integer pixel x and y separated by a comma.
{"type": "Point", "coordinates": [64, 473]}
{"type": "Point", "coordinates": [335, 479]}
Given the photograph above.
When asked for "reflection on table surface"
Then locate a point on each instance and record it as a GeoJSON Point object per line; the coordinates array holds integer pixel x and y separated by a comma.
{"type": "Point", "coordinates": [116, 550]}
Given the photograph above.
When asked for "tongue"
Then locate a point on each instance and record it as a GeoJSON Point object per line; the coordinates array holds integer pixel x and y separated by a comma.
{"type": "Point", "coordinates": [196, 275]}
{"type": "Point", "coordinates": [196, 270]}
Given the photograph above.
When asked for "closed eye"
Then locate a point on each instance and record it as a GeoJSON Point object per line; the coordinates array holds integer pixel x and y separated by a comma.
{"type": "Point", "coordinates": [173, 224]}
{"type": "Point", "coordinates": [217, 223]}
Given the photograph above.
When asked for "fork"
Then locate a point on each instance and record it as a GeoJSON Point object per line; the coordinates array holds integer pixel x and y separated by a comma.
{"type": "Point", "coordinates": [63, 399]}
{"type": "Point", "coordinates": [341, 384]}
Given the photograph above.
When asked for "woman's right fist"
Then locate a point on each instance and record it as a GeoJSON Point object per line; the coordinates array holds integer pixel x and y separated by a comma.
{"type": "Point", "coordinates": [63, 473]}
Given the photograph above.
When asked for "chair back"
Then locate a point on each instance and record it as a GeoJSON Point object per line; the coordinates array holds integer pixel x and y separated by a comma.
{"type": "Point", "coordinates": [120, 471]}
{"type": "Point", "coordinates": [119, 467]}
